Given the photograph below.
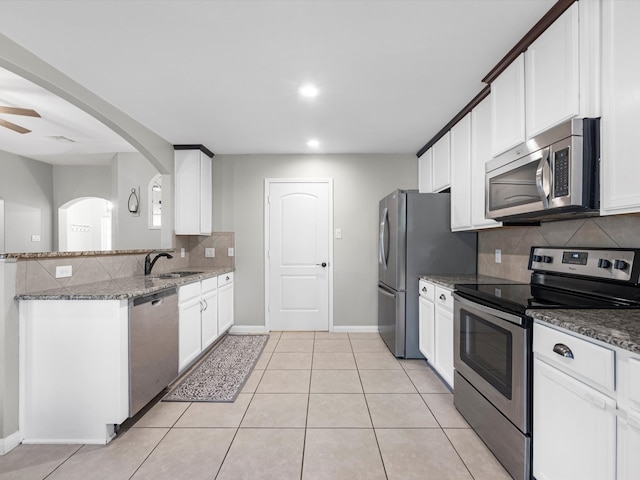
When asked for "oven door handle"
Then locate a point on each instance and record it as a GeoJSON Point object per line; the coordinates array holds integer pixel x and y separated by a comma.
{"type": "Point", "coordinates": [488, 310]}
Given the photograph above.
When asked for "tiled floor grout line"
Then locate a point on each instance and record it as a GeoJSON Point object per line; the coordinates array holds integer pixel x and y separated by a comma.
{"type": "Point", "coordinates": [375, 434]}
{"type": "Point", "coordinates": [458, 453]}
{"type": "Point", "coordinates": [150, 453]}
{"type": "Point", "coordinates": [62, 463]}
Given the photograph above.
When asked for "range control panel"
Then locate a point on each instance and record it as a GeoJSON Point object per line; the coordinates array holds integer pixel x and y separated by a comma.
{"type": "Point", "coordinates": [610, 264]}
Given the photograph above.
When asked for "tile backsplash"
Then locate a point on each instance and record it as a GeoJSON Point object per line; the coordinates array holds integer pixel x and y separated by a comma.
{"type": "Point", "coordinates": [515, 242]}
{"type": "Point", "coordinates": [36, 274]}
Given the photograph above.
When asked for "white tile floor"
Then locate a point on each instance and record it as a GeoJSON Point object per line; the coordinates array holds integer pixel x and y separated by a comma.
{"type": "Point", "coordinates": [317, 406]}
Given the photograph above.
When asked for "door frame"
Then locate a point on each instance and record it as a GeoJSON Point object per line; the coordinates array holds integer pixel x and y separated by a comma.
{"type": "Point", "coordinates": [267, 290]}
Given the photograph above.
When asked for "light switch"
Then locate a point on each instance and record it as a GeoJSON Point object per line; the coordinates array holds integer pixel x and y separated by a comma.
{"type": "Point", "coordinates": [63, 271]}
{"type": "Point", "coordinates": [35, 238]}
{"type": "Point", "coordinates": [498, 255]}
{"type": "Point", "coordinates": [338, 233]}
{"type": "Point", "coordinates": [209, 252]}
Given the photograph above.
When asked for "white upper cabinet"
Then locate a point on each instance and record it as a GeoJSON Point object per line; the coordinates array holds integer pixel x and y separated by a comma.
{"type": "Point", "coordinates": [507, 108]}
{"type": "Point", "coordinates": [480, 155]}
{"type": "Point", "coordinates": [552, 74]}
{"type": "Point", "coordinates": [461, 174]}
{"type": "Point", "coordinates": [441, 164]}
{"type": "Point", "coordinates": [425, 172]}
{"type": "Point", "coordinates": [620, 149]}
{"type": "Point", "coordinates": [193, 192]}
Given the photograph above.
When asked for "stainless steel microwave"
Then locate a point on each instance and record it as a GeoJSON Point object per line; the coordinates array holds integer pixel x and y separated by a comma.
{"type": "Point", "coordinates": [553, 175]}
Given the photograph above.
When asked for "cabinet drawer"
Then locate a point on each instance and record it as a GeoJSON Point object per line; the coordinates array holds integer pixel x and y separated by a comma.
{"type": "Point", "coordinates": [426, 290]}
{"type": "Point", "coordinates": [209, 284]}
{"type": "Point", "coordinates": [225, 279]}
{"type": "Point", "coordinates": [593, 364]}
{"type": "Point", "coordinates": [444, 298]}
{"type": "Point", "coordinates": [188, 292]}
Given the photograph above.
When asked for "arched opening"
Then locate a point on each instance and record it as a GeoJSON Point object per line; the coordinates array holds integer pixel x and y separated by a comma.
{"type": "Point", "coordinates": [85, 224]}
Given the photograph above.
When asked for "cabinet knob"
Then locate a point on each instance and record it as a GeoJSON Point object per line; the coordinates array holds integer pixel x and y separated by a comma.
{"type": "Point", "coordinates": [424, 289]}
{"type": "Point", "coordinates": [227, 277]}
{"type": "Point", "coordinates": [442, 297]}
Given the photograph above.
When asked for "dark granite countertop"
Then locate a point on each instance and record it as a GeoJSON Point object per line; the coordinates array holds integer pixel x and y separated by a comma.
{"type": "Point", "coordinates": [449, 281]}
{"type": "Point", "coordinates": [620, 328]}
{"type": "Point", "coordinates": [121, 288]}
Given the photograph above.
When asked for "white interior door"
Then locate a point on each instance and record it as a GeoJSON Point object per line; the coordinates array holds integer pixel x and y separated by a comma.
{"type": "Point", "coordinates": [298, 230]}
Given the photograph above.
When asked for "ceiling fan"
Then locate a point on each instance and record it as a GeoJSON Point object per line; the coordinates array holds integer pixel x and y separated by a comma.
{"type": "Point", "coordinates": [27, 112]}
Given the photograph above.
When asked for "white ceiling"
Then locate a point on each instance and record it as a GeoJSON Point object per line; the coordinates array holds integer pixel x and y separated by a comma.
{"type": "Point", "coordinates": [226, 73]}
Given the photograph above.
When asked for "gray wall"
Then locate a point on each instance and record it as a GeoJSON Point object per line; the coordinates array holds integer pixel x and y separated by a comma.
{"type": "Point", "coordinates": [70, 182]}
{"type": "Point", "coordinates": [360, 181]}
{"type": "Point", "coordinates": [26, 183]}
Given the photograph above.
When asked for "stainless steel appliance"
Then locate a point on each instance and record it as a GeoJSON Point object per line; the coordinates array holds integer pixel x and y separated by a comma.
{"type": "Point", "coordinates": [493, 338]}
{"type": "Point", "coordinates": [550, 176]}
{"type": "Point", "coordinates": [153, 346]}
{"type": "Point", "coordinates": [415, 238]}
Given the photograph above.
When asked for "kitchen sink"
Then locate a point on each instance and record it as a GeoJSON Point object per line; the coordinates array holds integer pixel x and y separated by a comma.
{"type": "Point", "coordinates": [175, 274]}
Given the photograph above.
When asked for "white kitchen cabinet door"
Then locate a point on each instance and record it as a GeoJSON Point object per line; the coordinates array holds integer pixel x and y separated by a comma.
{"type": "Point", "coordinates": [425, 172]}
{"type": "Point", "coordinates": [225, 302]}
{"type": "Point", "coordinates": [193, 193]}
{"type": "Point", "coordinates": [553, 74]}
{"type": "Point", "coordinates": [209, 318]}
{"type": "Point", "coordinates": [426, 314]}
{"type": "Point", "coordinates": [507, 108]}
{"type": "Point", "coordinates": [443, 360]}
{"type": "Point", "coordinates": [620, 148]}
{"type": "Point", "coordinates": [480, 155]}
{"type": "Point", "coordinates": [190, 332]}
{"type": "Point", "coordinates": [629, 446]}
{"type": "Point", "coordinates": [461, 174]}
{"type": "Point", "coordinates": [574, 428]}
{"type": "Point", "coordinates": [441, 163]}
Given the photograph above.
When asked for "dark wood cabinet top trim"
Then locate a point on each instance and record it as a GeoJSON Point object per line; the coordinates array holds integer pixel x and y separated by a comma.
{"type": "Point", "coordinates": [551, 16]}
{"type": "Point", "coordinates": [202, 148]}
{"type": "Point", "coordinates": [459, 116]}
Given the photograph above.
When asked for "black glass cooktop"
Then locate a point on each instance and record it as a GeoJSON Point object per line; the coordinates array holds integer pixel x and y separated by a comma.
{"type": "Point", "coordinates": [520, 297]}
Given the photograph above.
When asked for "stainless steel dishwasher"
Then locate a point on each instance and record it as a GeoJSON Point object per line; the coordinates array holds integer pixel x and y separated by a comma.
{"type": "Point", "coordinates": [153, 346]}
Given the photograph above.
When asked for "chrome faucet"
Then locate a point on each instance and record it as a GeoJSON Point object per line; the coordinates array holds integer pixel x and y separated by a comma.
{"type": "Point", "coordinates": [148, 263]}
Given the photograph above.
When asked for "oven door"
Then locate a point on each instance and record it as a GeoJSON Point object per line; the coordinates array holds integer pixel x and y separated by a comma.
{"type": "Point", "coordinates": [492, 352]}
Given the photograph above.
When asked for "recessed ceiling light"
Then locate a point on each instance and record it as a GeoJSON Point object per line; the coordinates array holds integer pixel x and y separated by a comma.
{"type": "Point", "coordinates": [309, 91]}
{"type": "Point", "coordinates": [313, 143]}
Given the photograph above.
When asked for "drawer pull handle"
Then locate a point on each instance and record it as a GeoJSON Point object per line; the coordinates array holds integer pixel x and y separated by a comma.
{"type": "Point", "coordinates": [562, 350]}
{"type": "Point", "coordinates": [442, 297]}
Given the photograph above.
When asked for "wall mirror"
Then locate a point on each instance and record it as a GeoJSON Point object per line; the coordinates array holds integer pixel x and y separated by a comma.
{"type": "Point", "coordinates": [67, 178]}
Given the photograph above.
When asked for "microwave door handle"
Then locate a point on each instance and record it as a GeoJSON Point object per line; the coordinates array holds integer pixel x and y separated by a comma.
{"type": "Point", "coordinates": [540, 178]}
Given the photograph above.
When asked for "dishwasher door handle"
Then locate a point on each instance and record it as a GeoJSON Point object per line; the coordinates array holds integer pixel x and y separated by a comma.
{"type": "Point", "coordinates": [156, 302]}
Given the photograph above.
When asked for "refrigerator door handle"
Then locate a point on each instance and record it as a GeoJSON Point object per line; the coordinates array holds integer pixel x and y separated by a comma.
{"type": "Point", "coordinates": [383, 248]}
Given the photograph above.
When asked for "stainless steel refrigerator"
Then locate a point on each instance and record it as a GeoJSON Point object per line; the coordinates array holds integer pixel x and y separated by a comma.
{"type": "Point", "coordinates": [415, 239]}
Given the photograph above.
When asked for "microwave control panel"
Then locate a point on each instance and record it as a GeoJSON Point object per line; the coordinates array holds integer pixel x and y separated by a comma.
{"type": "Point", "coordinates": [561, 173]}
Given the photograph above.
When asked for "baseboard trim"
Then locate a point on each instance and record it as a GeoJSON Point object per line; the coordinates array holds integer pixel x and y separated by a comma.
{"type": "Point", "coordinates": [355, 329]}
{"type": "Point", "coordinates": [9, 443]}
{"type": "Point", "coordinates": [246, 329]}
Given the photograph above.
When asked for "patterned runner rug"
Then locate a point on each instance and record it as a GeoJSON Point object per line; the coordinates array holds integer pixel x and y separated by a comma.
{"type": "Point", "coordinates": [222, 373]}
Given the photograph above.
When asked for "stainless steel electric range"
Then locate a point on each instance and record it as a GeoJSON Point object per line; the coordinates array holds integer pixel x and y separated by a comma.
{"type": "Point", "coordinates": [493, 338]}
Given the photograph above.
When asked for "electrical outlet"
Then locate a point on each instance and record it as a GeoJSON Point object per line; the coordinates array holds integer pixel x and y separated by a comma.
{"type": "Point", "coordinates": [209, 252]}
{"type": "Point", "coordinates": [338, 233]}
{"type": "Point", "coordinates": [35, 238]}
{"type": "Point", "coordinates": [230, 252]}
{"type": "Point", "coordinates": [182, 252]}
{"type": "Point", "coordinates": [498, 255]}
{"type": "Point", "coordinates": [63, 271]}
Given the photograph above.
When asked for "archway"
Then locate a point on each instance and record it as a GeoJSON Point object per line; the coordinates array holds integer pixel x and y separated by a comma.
{"type": "Point", "coordinates": [85, 224]}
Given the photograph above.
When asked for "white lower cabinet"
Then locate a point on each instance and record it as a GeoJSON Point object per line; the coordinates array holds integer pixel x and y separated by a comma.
{"type": "Point", "coordinates": [436, 328]}
{"type": "Point", "coordinates": [206, 312]}
{"type": "Point", "coordinates": [574, 428]}
{"type": "Point", "coordinates": [586, 408]}
{"type": "Point", "coordinates": [225, 302]}
{"type": "Point", "coordinates": [190, 324]}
